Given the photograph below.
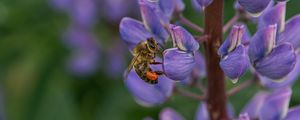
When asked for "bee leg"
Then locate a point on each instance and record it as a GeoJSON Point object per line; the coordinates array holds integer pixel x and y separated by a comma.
{"type": "Point", "coordinates": [156, 63]}
{"type": "Point", "coordinates": [159, 72]}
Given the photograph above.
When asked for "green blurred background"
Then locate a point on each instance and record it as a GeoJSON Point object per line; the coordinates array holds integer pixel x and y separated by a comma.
{"type": "Point", "coordinates": [35, 85]}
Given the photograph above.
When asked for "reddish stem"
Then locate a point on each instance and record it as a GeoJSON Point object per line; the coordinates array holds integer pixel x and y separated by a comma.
{"type": "Point", "coordinates": [216, 97]}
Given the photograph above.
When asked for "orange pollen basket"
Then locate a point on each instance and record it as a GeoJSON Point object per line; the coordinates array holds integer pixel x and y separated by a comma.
{"type": "Point", "coordinates": [151, 75]}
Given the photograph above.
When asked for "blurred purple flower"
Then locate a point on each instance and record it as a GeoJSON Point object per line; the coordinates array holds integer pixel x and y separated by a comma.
{"type": "Point", "coordinates": [254, 105]}
{"type": "Point", "coordinates": [86, 51]}
{"type": "Point", "coordinates": [270, 106]}
{"type": "Point", "coordinates": [169, 114]}
{"type": "Point", "coordinates": [116, 58]}
{"type": "Point", "coordinates": [83, 12]}
{"type": "Point", "coordinates": [275, 106]}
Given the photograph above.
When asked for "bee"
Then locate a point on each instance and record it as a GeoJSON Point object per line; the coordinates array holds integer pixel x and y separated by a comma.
{"type": "Point", "coordinates": [143, 56]}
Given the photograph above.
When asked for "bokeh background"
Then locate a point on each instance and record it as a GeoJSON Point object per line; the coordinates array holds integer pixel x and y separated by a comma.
{"type": "Point", "coordinates": [45, 73]}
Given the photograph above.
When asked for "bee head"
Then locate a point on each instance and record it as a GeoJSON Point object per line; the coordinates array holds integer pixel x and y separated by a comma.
{"type": "Point", "coordinates": [152, 44]}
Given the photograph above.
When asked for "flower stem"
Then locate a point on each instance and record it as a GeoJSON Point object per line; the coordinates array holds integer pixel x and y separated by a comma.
{"type": "Point", "coordinates": [216, 94]}
{"type": "Point", "coordinates": [231, 22]}
{"type": "Point", "coordinates": [190, 24]}
{"type": "Point", "coordinates": [189, 94]}
{"type": "Point", "coordinates": [240, 87]}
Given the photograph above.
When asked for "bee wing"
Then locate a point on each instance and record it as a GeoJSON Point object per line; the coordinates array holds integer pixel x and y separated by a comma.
{"type": "Point", "coordinates": [130, 66]}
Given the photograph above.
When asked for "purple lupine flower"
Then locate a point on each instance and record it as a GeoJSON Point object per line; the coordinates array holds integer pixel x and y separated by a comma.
{"type": "Point", "coordinates": [255, 7]}
{"type": "Point", "coordinates": [146, 94]}
{"type": "Point", "coordinates": [287, 81]}
{"type": "Point", "coordinates": [204, 3]}
{"type": "Point", "coordinates": [266, 56]}
{"type": "Point", "coordinates": [275, 107]}
{"type": "Point", "coordinates": [177, 61]}
{"type": "Point", "coordinates": [169, 114]}
{"type": "Point", "coordinates": [234, 60]}
{"type": "Point", "coordinates": [202, 113]}
{"type": "Point", "coordinates": [180, 59]}
{"type": "Point", "coordinates": [269, 106]}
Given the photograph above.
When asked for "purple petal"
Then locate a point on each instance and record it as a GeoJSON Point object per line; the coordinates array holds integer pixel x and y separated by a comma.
{"type": "Point", "coordinates": [202, 113]}
{"type": "Point", "coordinates": [176, 61]}
{"type": "Point", "coordinates": [167, 7]}
{"type": "Point", "coordinates": [275, 15]}
{"type": "Point", "coordinates": [262, 43]}
{"type": "Point", "coordinates": [116, 58]}
{"type": "Point", "coordinates": [234, 39]}
{"type": "Point", "coordinates": [276, 105]}
{"type": "Point", "coordinates": [133, 32]}
{"type": "Point", "coordinates": [287, 81]}
{"type": "Point", "coordinates": [183, 39]}
{"type": "Point", "coordinates": [152, 19]}
{"type": "Point", "coordinates": [291, 32]}
{"type": "Point", "coordinates": [235, 63]}
{"type": "Point", "coordinates": [244, 117]}
{"type": "Point", "coordinates": [170, 114]}
{"type": "Point", "coordinates": [146, 94]}
{"type": "Point", "coordinates": [254, 6]}
{"type": "Point", "coordinates": [279, 63]}
{"type": "Point", "coordinates": [196, 6]}
{"type": "Point", "coordinates": [293, 114]}
{"type": "Point", "coordinates": [254, 105]}
{"type": "Point", "coordinates": [204, 3]}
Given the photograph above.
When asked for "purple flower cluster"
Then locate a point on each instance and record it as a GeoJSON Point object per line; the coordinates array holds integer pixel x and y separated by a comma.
{"type": "Point", "coordinates": [270, 54]}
